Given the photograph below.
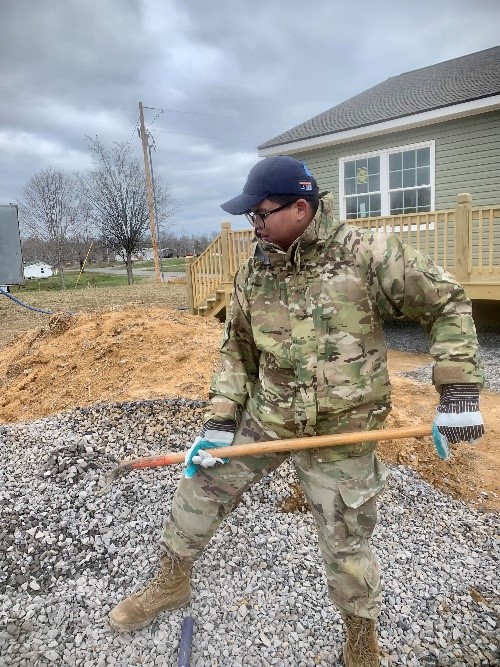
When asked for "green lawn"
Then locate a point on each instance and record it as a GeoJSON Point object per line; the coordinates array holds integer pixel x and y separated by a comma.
{"type": "Point", "coordinates": [85, 280]}
{"type": "Point", "coordinates": [171, 264]}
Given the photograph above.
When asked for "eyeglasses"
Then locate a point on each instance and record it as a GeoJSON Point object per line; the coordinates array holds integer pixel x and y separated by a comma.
{"type": "Point", "coordinates": [258, 220]}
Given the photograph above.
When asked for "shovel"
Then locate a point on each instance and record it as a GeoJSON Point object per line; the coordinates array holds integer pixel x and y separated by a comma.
{"type": "Point", "coordinates": [271, 447]}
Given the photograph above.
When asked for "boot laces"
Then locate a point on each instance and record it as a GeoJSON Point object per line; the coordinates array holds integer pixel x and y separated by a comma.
{"type": "Point", "coordinates": [165, 575]}
{"type": "Point", "coordinates": [361, 638]}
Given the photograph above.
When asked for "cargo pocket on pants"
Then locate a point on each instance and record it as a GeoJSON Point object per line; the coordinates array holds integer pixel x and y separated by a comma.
{"type": "Point", "coordinates": [361, 594]}
{"type": "Point", "coordinates": [359, 496]}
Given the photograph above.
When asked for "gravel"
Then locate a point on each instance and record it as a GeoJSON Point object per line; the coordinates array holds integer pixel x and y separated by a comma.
{"type": "Point", "coordinates": [409, 337]}
{"type": "Point", "coordinates": [68, 555]}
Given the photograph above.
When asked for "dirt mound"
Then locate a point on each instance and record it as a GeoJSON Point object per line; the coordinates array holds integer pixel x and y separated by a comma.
{"type": "Point", "coordinates": [472, 472]}
{"type": "Point", "coordinates": [125, 354]}
{"type": "Point", "coordinates": [143, 352]}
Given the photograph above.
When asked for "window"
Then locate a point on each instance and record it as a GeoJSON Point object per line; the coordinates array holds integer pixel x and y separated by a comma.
{"type": "Point", "coordinates": [390, 182]}
{"type": "Point", "coordinates": [409, 181]}
{"type": "Point", "coordinates": [362, 187]}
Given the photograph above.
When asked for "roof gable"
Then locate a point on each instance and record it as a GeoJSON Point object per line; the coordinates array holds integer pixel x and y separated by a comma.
{"type": "Point", "coordinates": [452, 82]}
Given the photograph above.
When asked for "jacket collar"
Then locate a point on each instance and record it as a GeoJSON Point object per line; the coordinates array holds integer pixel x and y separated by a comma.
{"type": "Point", "coordinates": [322, 227]}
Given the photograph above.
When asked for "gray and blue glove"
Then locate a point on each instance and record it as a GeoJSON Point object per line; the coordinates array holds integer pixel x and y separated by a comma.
{"type": "Point", "coordinates": [458, 418]}
{"type": "Point", "coordinates": [215, 433]}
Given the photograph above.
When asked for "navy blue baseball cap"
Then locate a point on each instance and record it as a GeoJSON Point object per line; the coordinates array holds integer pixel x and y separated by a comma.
{"type": "Point", "coordinates": [281, 175]}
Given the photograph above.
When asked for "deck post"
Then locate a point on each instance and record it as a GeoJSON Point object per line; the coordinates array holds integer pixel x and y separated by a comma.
{"type": "Point", "coordinates": [462, 227]}
{"type": "Point", "coordinates": [227, 278]}
{"type": "Point", "coordinates": [189, 283]}
{"type": "Point", "coordinates": [225, 230]}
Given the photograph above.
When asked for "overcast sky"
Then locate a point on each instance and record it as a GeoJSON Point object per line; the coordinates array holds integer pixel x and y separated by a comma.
{"type": "Point", "coordinates": [229, 75]}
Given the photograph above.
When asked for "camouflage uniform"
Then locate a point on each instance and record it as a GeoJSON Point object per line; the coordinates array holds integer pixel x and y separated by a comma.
{"type": "Point", "coordinates": [303, 354]}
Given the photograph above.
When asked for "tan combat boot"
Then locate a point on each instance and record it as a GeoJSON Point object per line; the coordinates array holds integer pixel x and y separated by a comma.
{"type": "Point", "coordinates": [168, 589]}
{"type": "Point", "coordinates": [361, 647]}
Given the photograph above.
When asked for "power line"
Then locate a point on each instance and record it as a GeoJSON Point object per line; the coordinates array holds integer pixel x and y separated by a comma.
{"type": "Point", "coordinates": [215, 115]}
{"type": "Point", "coordinates": [199, 113]}
{"type": "Point", "coordinates": [133, 131]}
{"type": "Point", "coordinates": [202, 136]}
{"type": "Point", "coordinates": [159, 112]}
{"type": "Point", "coordinates": [191, 134]}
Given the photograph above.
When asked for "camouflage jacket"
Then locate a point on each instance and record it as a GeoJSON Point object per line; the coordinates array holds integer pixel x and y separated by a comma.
{"type": "Point", "coordinates": [303, 338]}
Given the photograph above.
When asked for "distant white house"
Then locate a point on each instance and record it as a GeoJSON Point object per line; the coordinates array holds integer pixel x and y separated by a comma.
{"type": "Point", "coordinates": [147, 254]}
{"type": "Point", "coordinates": [37, 270]}
{"type": "Point", "coordinates": [141, 255]}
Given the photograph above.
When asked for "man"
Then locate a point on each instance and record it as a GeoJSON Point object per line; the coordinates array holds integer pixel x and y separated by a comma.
{"type": "Point", "coordinates": [303, 354]}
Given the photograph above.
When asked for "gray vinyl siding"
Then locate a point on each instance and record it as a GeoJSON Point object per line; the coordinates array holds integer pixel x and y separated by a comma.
{"type": "Point", "coordinates": [467, 158]}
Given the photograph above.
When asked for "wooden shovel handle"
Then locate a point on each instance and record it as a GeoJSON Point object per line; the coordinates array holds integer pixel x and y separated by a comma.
{"type": "Point", "coordinates": [289, 445]}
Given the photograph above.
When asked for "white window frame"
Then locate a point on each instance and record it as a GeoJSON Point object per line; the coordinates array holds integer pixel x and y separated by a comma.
{"type": "Point", "coordinates": [384, 174]}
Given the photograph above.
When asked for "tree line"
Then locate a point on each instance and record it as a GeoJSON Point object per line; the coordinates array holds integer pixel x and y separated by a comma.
{"type": "Point", "coordinates": [99, 215]}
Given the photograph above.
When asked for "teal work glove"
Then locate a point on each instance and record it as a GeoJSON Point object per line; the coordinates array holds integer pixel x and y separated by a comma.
{"type": "Point", "coordinates": [215, 433]}
{"type": "Point", "coordinates": [458, 418]}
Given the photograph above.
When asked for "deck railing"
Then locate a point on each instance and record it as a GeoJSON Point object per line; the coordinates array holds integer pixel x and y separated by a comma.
{"type": "Point", "coordinates": [431, 233]}
{"type": "Point", "coordinates": [464, 240]}
{"type": "Point", "coordinates": [215, 268]}
{"type": "Point", "coordinates": [484, 242]}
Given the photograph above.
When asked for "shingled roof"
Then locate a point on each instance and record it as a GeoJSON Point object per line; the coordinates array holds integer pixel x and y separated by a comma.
{"type": "Point", "coordinates": [452, 82]}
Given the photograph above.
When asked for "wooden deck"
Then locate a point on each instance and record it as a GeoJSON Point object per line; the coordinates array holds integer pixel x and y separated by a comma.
{"type": "Point", "coordinates": [465, 240]}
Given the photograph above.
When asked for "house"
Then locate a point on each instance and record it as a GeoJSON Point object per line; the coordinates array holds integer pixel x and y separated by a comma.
{"type": "Point", "coordinates": [409, 144]}
{"type": "Point", "coordinates": [37, 270]}
{"type": "Point", "coordinates": [417, 154]}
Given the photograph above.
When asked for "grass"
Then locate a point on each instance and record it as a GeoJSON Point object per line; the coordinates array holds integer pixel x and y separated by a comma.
{"type": "Point", "coordinates": [73, 280]}
{"type": "Point", "coordinates": [171, 264]}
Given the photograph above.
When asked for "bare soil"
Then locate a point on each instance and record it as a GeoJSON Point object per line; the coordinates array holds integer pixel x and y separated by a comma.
{"type": "Point", "coordinates": [132, 343]}
{"type": "Point", "coordinates": [15, 319]}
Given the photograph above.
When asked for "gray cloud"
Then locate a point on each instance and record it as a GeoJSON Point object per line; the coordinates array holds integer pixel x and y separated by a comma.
{"type": "Point", "coordinates": [245, 70]}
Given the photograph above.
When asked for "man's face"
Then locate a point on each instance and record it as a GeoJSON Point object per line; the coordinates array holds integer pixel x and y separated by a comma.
{"type": "Point", "coordinates": [282, 227]}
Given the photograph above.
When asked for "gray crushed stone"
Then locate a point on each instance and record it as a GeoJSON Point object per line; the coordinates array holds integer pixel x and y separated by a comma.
{"type": "Point", "coordinates": [409, 337]}
{"type": "Point", "coordinates": [260, 598]}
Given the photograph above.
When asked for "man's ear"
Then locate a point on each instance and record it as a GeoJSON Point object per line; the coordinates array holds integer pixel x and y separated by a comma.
{"type": "Point", "coordinates": [303, 208]}
{"type": "Point", "coordinates": [301, 205]}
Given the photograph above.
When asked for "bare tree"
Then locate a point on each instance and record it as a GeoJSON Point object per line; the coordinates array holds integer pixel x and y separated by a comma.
{"type": "Point", "coordinates": [49, 212]}
{"type": "Point", "coordinates": [116, 190]}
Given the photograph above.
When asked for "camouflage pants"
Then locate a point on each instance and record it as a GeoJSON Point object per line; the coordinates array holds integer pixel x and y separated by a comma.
{"type": "Point", "coordinates": [341, 486]}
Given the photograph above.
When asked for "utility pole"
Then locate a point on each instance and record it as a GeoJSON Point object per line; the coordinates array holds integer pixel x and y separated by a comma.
{"type": "Point", "coordinates": [144, 139]}
{"type": "Point", "coordinates": [150, 146]}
